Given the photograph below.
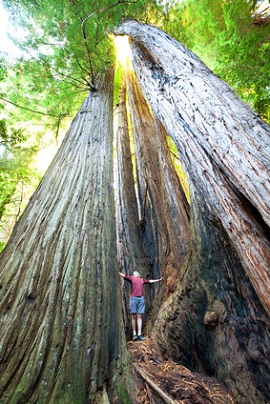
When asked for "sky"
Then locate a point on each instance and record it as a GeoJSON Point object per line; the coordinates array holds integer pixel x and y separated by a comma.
{"type": "Point", "coordinates": [6, 45]}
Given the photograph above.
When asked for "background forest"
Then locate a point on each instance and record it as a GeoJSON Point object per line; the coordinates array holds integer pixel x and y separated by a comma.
{"type": "Point", "coordinates": [61, 59]}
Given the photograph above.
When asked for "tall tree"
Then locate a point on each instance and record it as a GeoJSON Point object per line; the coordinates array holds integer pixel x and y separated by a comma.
{"type": "Point", "coordinates": [229, 156]}
{"type": "Point", "coordinates": [61, 299]}
{"type": "Point", "coordinates": [216, 135]}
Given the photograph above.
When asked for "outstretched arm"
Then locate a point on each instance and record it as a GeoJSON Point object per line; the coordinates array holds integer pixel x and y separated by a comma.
{"type": "Point", "coordinates": [121, 274]}
{"type": "Point", "coordinates": [155, 280]}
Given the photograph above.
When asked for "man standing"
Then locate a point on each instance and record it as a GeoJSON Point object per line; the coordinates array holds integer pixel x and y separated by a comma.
{"type": "Point", "coordinates": [136, 304]}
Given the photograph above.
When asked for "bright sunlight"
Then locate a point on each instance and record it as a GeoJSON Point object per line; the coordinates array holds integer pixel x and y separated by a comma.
{"type": "Point", "coordinates": [123, 49]}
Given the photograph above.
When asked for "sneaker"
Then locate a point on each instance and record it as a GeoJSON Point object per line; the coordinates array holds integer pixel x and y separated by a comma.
{"type": "Point", "coordinates": [135, 337]}
{"type": "Point", "coordinates": [141, 338]}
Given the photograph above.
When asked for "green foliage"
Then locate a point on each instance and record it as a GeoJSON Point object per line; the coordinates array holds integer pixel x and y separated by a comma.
{"type": "Point", "coordinates": [3, 68]}
{"type": "Point", "coordinates": [66, 51]}
{"type": "Point", "coordinates": [2, 245]}
{"type": "Point", "coordinates": [15, 165]}
{"type": "Point", "coordinates": [73, 36]}
{"type": "Point", "coordinates": [122, 394]}
{"type": "Point", "coordinates": [10, 138]}
{"type": "Point", "coordinates": [118, 77]}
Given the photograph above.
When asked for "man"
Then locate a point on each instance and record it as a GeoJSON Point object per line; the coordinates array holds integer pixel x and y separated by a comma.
{"type": "Point", "coordinates": [137, 305]}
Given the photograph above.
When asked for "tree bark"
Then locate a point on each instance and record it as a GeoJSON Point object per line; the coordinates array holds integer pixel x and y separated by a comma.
{"type": "Point", "coordinates": [61, 328]}
{"type": "Point", "coordinates": [223, 144]}
{"type": "Point", "coordinates": [214, 322]}
{"type": "Point", "coordinates": [61, 324]}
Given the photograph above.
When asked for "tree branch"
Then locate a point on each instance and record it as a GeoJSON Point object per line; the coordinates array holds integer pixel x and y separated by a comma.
{"type": "Point", "coordinates": [69, 77]}
{"type": "Point", "coordinates": [161, 393]}
{"type": "Point", "coordinates": [85, 36]}
{"type": "Point", "coordinates": [88, 52]}
{"type": "Point", "coordinates": [59, 117]}
{"type": "Point", "coordinates": [107, 8]}
{"type": "Point", "coordinates": [80, 65]}
{"type": "Point", "coordinates": [29, 109]}
{"type": "Point", "coordinates": [175, 155]}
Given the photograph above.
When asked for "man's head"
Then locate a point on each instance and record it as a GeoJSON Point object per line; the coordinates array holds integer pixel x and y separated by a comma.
{"type": "Point", "coordinates": [137, 274]}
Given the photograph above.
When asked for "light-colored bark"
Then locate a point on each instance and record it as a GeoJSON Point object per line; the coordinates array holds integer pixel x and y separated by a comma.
{"type": "Point", "coordinates": [61, 324]}
{"type": "Point", "coordinates": [223, 144]}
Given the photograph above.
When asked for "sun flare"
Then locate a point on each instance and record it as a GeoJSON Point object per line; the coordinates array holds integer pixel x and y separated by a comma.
{"type": "Point", "coordinates": [123, 49]}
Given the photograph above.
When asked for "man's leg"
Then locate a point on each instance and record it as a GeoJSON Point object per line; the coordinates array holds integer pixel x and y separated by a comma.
{"type": "Point", "coordinates": [139, 324]}
{"type": "Point", "coordinates": [141, 310]}
{"type": "Point", "coordinates": [134, 325]}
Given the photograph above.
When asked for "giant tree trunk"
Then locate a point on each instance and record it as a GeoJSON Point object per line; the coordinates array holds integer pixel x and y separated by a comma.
{"type": "Point", "coordinates": [224, 145]}
{"type": "Point", "coordinates": [61, 324]}
{"type": "Point", "coordinates": [161, 242]}
{"type": "Point", "coordinates": [215, 321]}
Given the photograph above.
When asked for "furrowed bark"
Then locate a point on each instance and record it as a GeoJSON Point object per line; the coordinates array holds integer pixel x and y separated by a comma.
{"type": "Point", "coordinates": [214, 322]}
{"type": "Point", "coordinates": [223, 144]}
{"type": "Point", "coordinates": [61, 326]}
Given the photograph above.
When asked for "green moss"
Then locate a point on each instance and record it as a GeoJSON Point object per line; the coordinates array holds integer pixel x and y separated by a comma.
{"type": "Point", "coordinates": [122, 394]}
{"type": "Point", "coordinates": [2, 245]}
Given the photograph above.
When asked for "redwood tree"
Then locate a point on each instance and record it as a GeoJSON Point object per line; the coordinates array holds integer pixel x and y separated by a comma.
{"type": "Point", "coordinates": [225, 148]}
{"type": "Point", "coordinates": [60, 297]}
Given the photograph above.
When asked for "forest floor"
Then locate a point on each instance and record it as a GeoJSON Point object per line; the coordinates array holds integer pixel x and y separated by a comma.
{"type": "Point", "coordinates": [164, 381]}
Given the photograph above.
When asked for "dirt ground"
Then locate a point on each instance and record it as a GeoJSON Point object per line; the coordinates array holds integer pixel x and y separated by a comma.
{"type": "Point", "coordinates": [163, 381]}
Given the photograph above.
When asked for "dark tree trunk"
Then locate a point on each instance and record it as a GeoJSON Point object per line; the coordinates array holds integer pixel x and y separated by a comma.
{"type": "Point", "coordinates": [160, 241]}
{"type": "Point", "coordinates": [61, 323]}
{"type": "Point", "coordinates": [218, 319]}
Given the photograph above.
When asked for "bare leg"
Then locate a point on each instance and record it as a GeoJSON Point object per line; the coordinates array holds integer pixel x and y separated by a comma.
{"type": "Point", "coordinates": [134, 323]}
{"type": "Point", "coordinates": [139, 324]}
